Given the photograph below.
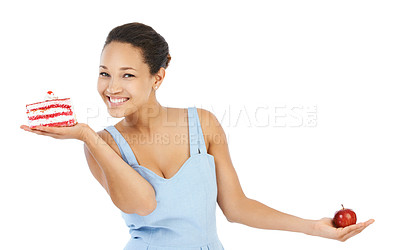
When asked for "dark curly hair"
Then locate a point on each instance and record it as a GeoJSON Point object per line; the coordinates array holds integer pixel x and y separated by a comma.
{"type": "Point", "coordinates": [154, 48]}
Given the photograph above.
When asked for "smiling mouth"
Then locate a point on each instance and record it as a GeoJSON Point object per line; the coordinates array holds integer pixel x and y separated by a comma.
{"type": "Point", "coordinates": [117, 100]}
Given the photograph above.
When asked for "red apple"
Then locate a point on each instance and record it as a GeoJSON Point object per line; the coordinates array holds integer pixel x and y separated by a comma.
{"type": "Point", "coordinates": [344, 217]}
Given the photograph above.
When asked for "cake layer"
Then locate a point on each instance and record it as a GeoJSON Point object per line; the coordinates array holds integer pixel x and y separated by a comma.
{"type": "Point", "coordinates": [55, 113]}
{"type": "Point", "coordinates": [69, 120]}
{"type": "Point", "coordinates": [48, 113]}
{"type": "Point", "coordinates": [58, 103]}
{"type": "Point", "coordinates": [46, 117]}
{"type": "Point", "coordinates": [57, 124]}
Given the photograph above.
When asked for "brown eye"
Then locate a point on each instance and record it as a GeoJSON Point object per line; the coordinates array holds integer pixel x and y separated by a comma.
{"type": "Point", "coordinates": [103, 74]}
{"type": "Point", "coordinates": [129, 75]}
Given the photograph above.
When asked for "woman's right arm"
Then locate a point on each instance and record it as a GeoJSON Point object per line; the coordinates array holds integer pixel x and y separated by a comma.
{"type": "Point", "coordinates": [128, 190]}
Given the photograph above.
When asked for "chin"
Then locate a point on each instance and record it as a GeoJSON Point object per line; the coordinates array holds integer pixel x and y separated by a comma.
{"type": "Point", "coordinates": [113, 115]}
{"type": "Point", "coordinates": [116, 113]}
{"type": "Point", "coordinates": [120, 113]}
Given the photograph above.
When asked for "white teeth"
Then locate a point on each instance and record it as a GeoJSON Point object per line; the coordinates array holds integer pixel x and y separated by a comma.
{"type": "Point", "coordinates": [118, 100]}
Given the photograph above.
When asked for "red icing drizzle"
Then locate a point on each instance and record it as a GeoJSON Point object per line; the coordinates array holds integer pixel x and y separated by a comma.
{"type": "Point", "coordinates": [48, 101]}
{"type": "Point", "coordinates": [36, 117]}
{"type": "Point", "coordinates": [69, 123]}
{"type": "Point", "coordinates": [50, 106]}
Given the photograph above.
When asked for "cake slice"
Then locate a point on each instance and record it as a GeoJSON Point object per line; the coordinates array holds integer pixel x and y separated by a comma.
{"type": "Point", "coordinates": [52, 112]}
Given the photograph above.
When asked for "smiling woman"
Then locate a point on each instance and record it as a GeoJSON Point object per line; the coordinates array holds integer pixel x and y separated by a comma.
{"type": "Point", "coordinates": [167, 192]}
{"type": "Point", "coordinates": [134, 58]}
{"type": "Point", "coordinates": [130, 87]}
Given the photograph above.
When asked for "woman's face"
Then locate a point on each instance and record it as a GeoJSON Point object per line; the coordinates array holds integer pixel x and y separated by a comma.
{"type": "Point", "coordinates": [124, 83]}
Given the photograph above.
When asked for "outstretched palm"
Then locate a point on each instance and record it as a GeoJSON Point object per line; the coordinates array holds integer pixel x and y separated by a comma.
{"type": "Point", "coordinates": [325, 228]}
{"type": "Point", "coordinates": [75, 132]}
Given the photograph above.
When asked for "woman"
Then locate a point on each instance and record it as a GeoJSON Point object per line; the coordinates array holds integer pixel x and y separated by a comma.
{"type": "Point", "coordinates": [165, 168]}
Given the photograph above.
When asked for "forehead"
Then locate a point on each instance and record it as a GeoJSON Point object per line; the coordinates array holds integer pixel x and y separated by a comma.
{"type": "Point", "coordinates": [116, 54]}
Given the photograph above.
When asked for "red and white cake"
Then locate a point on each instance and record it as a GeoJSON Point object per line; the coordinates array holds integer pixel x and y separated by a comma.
{"type": "Point", "coordinates": [52, 112]}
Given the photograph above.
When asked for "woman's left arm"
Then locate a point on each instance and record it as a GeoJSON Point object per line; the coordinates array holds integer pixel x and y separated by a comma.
{"type": "Point", "coordinates": [240, 209]}
{"type": "Point", "coordinates": [255, 214]}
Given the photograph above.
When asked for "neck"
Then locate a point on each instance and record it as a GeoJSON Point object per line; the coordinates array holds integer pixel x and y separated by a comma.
{"type": "Point", "coordinates": [147, 119]}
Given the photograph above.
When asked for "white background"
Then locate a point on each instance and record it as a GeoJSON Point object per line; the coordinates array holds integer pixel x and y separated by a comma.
{"type": "Point", "coordinates": [339, 59]}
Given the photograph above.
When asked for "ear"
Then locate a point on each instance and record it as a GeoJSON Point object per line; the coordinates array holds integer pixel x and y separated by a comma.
{"type": "Point", "coordinates": [159, 76]}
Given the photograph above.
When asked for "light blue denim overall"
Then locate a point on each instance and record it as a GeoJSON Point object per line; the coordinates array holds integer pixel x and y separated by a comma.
{"type": "Point", "coordinates": [185, 215]}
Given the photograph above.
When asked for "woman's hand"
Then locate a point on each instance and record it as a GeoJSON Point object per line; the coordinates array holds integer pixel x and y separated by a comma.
{"type": "Point", "coordinates": [325, 228]}
{"type": "Point", "coordinates": [78, 131]}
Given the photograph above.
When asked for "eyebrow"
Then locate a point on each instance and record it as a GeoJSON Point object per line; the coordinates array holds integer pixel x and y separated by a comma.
{"type": "Point", "coordinates": [122, 68]}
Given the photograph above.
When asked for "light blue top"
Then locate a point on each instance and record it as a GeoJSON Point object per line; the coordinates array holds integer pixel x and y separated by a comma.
{"type": "Point", "coordinates": [185, 215]}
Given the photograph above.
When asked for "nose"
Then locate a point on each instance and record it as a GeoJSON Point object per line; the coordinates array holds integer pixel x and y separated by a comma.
{"type": "Point", "coordinates": [113, 87]}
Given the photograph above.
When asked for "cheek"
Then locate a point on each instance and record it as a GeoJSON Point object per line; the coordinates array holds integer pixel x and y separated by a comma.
{"type": "Point", "coordinates": [101, 86]}
{"type": "Point", "coordinates": [136, 90]}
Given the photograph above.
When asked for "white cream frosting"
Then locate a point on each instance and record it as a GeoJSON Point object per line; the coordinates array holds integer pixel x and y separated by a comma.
{"type": "Point", "coordinates": [45, 104]}
{"type": "Point", "coordinates": [61, 118]}
{"type": "Point", "coordinates": [47, 111]}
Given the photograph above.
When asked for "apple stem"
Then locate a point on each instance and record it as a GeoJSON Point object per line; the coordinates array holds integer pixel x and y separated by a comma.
{"type": "Point", "coordinates": [342, 206]}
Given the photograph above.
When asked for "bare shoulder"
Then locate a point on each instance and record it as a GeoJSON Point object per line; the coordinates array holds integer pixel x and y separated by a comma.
{"type": "Point", "coordinates": [106, 136]}
{"type": "Point", "coordinates": [207, 119]}
{"type": "Point", "coordinates": [212, 129]}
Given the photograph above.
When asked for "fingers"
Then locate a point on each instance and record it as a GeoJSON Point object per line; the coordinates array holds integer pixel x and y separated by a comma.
{"type": "Point", "coordinates": [40, 130]}
{"type": "Point", "coordinates": [26, 128]}
{"type": "Point", "coordinates": [46, 129]}
{"type": "Point", "coordinates": [67, 132]}
{"type": "Point", "coordinates": [52, 130]}
{"type": "Point", "coordinates": [351, 234]}
{"type": "Point", "coordinates": [353, 230]}
{"type": "Point", "coordinates": [31, 129]}
{"type": "Point", "coordinates": [369, 222]}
